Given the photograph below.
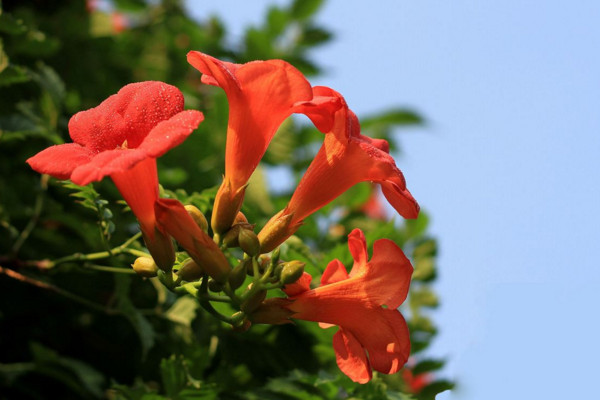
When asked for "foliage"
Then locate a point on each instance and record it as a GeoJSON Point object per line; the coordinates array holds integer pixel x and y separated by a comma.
{"type": "Point", "coordinates": [77, 329]}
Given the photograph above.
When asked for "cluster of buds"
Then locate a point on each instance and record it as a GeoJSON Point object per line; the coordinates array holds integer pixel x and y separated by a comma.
{"type": "Point", "coordinates": [227, 261]}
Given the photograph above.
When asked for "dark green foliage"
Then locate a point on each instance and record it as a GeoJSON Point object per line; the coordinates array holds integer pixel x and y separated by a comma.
{"type": "Point", "coordinates": [90, 330]}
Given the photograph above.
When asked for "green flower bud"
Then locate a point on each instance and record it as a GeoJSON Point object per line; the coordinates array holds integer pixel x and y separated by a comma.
{"type": "Point", "coordinates": [238, 274]}
{"type": "Point", "coordinates": [214, 286]}
{"type": "Point", "coordinates": [248, 241]}
{"type": "Point", "coordinates": [291, 272]}
{"type": "Point", "coordinates": [190, 271]}
{"type": "Point", "coordinates": [231, 237]}
{"type": "Point", "coordinates": [254, 301]}
{"type": "Point", "coordinates": [145, 266]}
{"type": "Point", "coordinates": [198, 217]}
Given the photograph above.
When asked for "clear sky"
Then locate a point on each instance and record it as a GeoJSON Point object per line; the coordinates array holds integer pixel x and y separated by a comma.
{"type": "Point", "coordinates": [508, 166]}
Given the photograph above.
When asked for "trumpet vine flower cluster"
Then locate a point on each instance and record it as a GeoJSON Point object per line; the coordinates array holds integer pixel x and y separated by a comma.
{"type": "Point", "coordinates": [122, 137]}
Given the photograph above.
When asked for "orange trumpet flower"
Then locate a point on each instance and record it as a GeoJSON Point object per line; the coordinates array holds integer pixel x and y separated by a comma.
{"type": "Point", "coordinates": [345, 159]}
{"type": "Point", "coordinates": [372, 332]}
{"type": "Point", "coordinates": [261, 95]}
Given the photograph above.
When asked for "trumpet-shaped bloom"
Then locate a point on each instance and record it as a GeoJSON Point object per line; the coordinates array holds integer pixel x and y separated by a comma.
{"type": "Point", "coordinates": [345, 159]}
{"type": "Point", "coordinates": [174, 219]}
{"type": "Point", "coordinates": [261, 95]}
{"type": "Point", "coordinates": [121, 138]}
{"type": "Point", "coordinates": [369, 336]}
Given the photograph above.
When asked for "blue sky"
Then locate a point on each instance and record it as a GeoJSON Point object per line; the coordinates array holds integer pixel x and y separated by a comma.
{"type": "Point", "coordinates": [507, 166]}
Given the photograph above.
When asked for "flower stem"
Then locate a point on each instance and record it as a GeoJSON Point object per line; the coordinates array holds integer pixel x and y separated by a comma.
{"type": "Point", "coordinates": [123, 248]}
{"type": "Point", "coordinates": [37, 211]}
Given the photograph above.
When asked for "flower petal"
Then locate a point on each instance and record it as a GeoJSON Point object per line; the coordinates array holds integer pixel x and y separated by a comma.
{"type": "Point", "coordinates": [139, 187]}
{"type": "Point", "coordinates": [351, 357]}
{"type": "Point", "coordinates": [106, 163]}
{"type": "Point", "coordinates": [385, 337]}
{"type": "Point", "coordinates": [334, 272]}
{"type": "Point", "coordinates": [358, 248]}
{"type": "Point", "coordinates": [128, 116]}
{"type": "Point", "coordinates": [298, 287]}
{"type": "Point", "coordinates": [61, 160]}
{"type": "Point", "coordinates": [388, 264]}
{"type": "Point", "coordinates": [261, 95]}
{"type": "Point", "coordinates": [171, 133]}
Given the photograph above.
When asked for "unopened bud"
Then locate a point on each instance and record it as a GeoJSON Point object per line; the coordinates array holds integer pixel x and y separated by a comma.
{"type": "Point", "coordinates": [214, 286]}
{"type": "Point", "coordinates": [228, 202]}
{"type": "Point", "coordinates": [291, 272]}
{"type": "Point", "coordinates": [231, 237]}
{"type": "Point", "coordinates": [145, 266]}
{"type": "Point", "coordinates": [238, 274]}
{"type": "Point", "coordinates": [240, 218]}
{"type": "Point", "coordinates": [198, 217]}
{"type": "Point", "coordinates": [254, 301]}
{"type": "Point", "coordinates": [190, 271]}
{"type": "Point", "coordinates": [276, 231]}
{"type": "Point", "coordinates": [248, 241]}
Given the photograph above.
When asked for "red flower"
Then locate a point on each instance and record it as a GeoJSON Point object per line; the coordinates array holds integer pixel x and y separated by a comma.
{"type": "Point", "coordinates": [355, 302]}
{"type": "Point", "coordinates": [345, 159]}
{"type": "Point", "coordinates": [261, 95]}
{"type": "Point", "coordinates": [415, 382]}
{"type": "Point", "coordinates": [121, 138]}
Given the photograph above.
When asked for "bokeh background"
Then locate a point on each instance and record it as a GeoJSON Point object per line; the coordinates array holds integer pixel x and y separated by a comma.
{"type": "Point", "coordinates": [508, 165]}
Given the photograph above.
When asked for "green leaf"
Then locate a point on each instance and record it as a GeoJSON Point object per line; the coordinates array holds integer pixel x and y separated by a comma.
{"type": "Point", "coordinates": [304, 9]}
{"type": "Point", "coordinates": [427, 365]}
{"type": "Point", "coordinates": [10, 25]}
{"type": "Point", "coordinates": [138, 321]}
{"type": "Point", "coordinates": [314, 36]}
{"type": "Point", "coordinates": [72, 372]}
{"type": "Point", "coordinates": [430, 391]}
{"type": "Point", "coordinates": [174, 375]}
{"type": "Point", "coordinates": [13, 74]}
{"type": "Point", "coordinates": [393, 117]}
{"type": "Point", "coordinates": [3, 57]}
{"type": "Point", "coordinates": [277, 21]}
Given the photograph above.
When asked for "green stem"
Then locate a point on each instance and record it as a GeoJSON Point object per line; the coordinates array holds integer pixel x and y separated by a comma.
{"type": "Point", "coordinates": [37, 211]}
{"type": "Point", "coordinates": [109, 269]}
{"type": "Point", "coordinates": [102, 254]}
{"type": "Point", "coordinates": [206, 304]}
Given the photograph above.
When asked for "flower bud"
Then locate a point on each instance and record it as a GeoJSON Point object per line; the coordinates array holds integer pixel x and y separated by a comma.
{"type": "Point", "coordinates": [254, 301]}
{"type": "Point", "coordinates": [198, 217]}
{"type": "Point", "coordinates": [276, 231]}
{"type": "Point", "coordinates": [231, 237]}
{"type": "Point", "coordinates": [240, 218]}
{"type": "Point", "coordinates": [214, 286]}
{"type": "Point", "coordinates": [238, 274]}
{"type": "Point", "coordinates": [145, 266]}
{"type": "Point", "coordinates": [190, 271]}
{"type": "Point", "coordinates": [291, 272]}
{"type": "Point", "coordinates": [248, 241]}
{"type": "Point", "coordinates": [227, 206]}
